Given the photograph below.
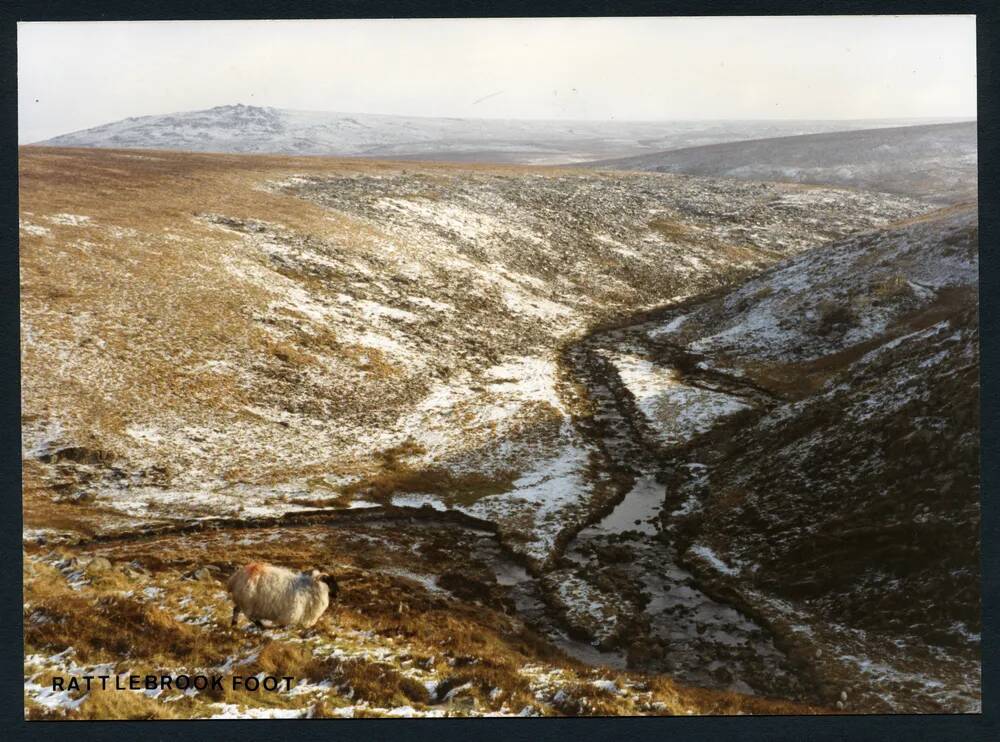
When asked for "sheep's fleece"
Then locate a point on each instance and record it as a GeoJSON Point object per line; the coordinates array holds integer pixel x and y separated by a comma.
{"type": "Point", "coordinates": [266, 592]}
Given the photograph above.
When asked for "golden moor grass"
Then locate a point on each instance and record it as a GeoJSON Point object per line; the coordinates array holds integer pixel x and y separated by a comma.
{"type": "Point", "coordinates": [149, 247]}
{"type": "Point", "coordinates": [378, 684]}
{"type": "Point", "coordinates": [672, 230]}
{"type": "Point", "coordinates": [120, 627]}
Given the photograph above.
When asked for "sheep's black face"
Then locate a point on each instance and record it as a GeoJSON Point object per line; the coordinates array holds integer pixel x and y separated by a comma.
{"type": "Point", "coordinates": [331, 582]}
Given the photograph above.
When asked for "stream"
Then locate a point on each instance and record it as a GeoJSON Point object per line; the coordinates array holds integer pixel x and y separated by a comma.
{"type": "Point", "coordinates": [630, 559]}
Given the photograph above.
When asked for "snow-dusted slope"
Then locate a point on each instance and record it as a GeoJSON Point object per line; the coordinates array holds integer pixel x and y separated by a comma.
{"type": "Point", "coordinates": [283, 333]}
{"type": "Point", "coordinates": [254, 129]}
{"type": "Point", "coordinates": [934, 162]}
{"type": "Point", "coordinates": [840, 504]}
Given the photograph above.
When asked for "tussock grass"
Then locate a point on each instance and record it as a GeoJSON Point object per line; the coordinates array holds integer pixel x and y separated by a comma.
{"type": "Point", "coordinates": [378, 684]}
{"type": "Point", "coordinates": [121, 627]}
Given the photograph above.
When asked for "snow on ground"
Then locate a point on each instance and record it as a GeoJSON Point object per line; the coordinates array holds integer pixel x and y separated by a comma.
{"type": "Point", "coordinates": [466, 223]}
{"type": "Point", "coordinates": [552, 496]}
{"type": "Point", "coordinates": [668, 328]}
{"type": "Point", "coordinates": [210, 500]}
{"type": "Point", "coordinates": [34, 229]}
{"type": "Point", "coordinates": [827, 299]}
{"type": "Point", "coordinates": [905, 675]}
{"type": "Point", "coordinates": [425, 580]}
{"type": "Point", "coordinates": [72, 220]}
{"type": "Point", "coordinates": [526, 378]}
{"type": "Point", "coordinates": [490, 406]}
{"type": "Point", "coordinates": [61, 663]}
{"type": "Point", "coordinates": [232, 711]}
{"type": "Point", "coordinates": [534, 306]}
{"type": "Point", "coordinates": [712, 559]}
{"type": "Point", "coordinates": [41, 439]}
{"type": "Point", "coordinates": [675, 411]}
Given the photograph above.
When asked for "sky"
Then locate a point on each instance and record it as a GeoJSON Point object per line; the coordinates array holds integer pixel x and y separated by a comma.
{"type": "Point", "coordinates": [74, 75]}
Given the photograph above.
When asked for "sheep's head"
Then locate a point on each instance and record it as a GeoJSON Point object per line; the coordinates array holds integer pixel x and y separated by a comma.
{"type": "Point", "coordinates": [330, 580]}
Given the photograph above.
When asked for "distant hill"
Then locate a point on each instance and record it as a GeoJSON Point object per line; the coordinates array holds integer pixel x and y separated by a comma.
{"type": "Point", "coordinates": [935, 162]}
{"type": "Point", "coordinates": [262, 130]}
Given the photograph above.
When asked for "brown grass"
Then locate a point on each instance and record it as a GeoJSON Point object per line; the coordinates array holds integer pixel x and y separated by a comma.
{"type": "Point", "coordinates": [291, 354]}
{"type": "Point", "coordinates": [379, 684]}
{"type": "Point", "coordinates": [120, 627]}
{"type": "Point", "coordinates": [401, 479]}
{"type": "Point", "coordinates": [147, 245]}
{"type": "Point", "coordinates": [892, 288]}
{"type": "Point", "coordinates": [672, 230]}
{"type": "Point", "coordinates": [168, 300]}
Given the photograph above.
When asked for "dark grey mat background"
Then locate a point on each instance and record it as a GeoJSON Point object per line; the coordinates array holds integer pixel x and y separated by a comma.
{"type": "Point", "coordinates": [969, 728]}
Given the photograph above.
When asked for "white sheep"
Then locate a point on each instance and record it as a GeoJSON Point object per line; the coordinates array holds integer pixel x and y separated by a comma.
{"type": "Point", "coordinates": [266, 592]}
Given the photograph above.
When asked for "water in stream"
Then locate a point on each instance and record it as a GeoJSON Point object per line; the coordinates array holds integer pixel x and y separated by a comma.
{"type": "Point", "coordinates": [628, 558]}
{"type": "Point", "coordinates": [693, 637]}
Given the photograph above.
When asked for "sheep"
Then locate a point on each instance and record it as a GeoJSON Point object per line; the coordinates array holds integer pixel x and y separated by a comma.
{"type": "Point", "coordinates": [265, 592]}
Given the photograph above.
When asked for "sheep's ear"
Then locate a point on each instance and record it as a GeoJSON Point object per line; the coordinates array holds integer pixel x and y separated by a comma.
{"type": "Point", "coordinates": [316, 574]}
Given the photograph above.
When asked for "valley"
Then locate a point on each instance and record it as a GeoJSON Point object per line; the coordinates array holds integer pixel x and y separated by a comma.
{"type": "Point", "coordinates": [575, 441]}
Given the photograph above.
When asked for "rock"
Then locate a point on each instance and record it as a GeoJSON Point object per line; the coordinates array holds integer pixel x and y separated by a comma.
{"type": "Point", "coordinates": [77, 454]}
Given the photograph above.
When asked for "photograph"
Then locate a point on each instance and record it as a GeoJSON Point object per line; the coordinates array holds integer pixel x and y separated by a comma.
{"type": "Point", "coordinates": [499, 367]}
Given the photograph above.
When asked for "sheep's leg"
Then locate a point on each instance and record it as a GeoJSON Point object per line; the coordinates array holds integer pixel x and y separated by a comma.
{"type": "Point", "coordinates": [236, 615]}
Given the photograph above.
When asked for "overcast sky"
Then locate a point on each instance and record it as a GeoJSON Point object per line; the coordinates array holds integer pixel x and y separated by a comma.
{"type": "Point", "coordinates": [76, 75]}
